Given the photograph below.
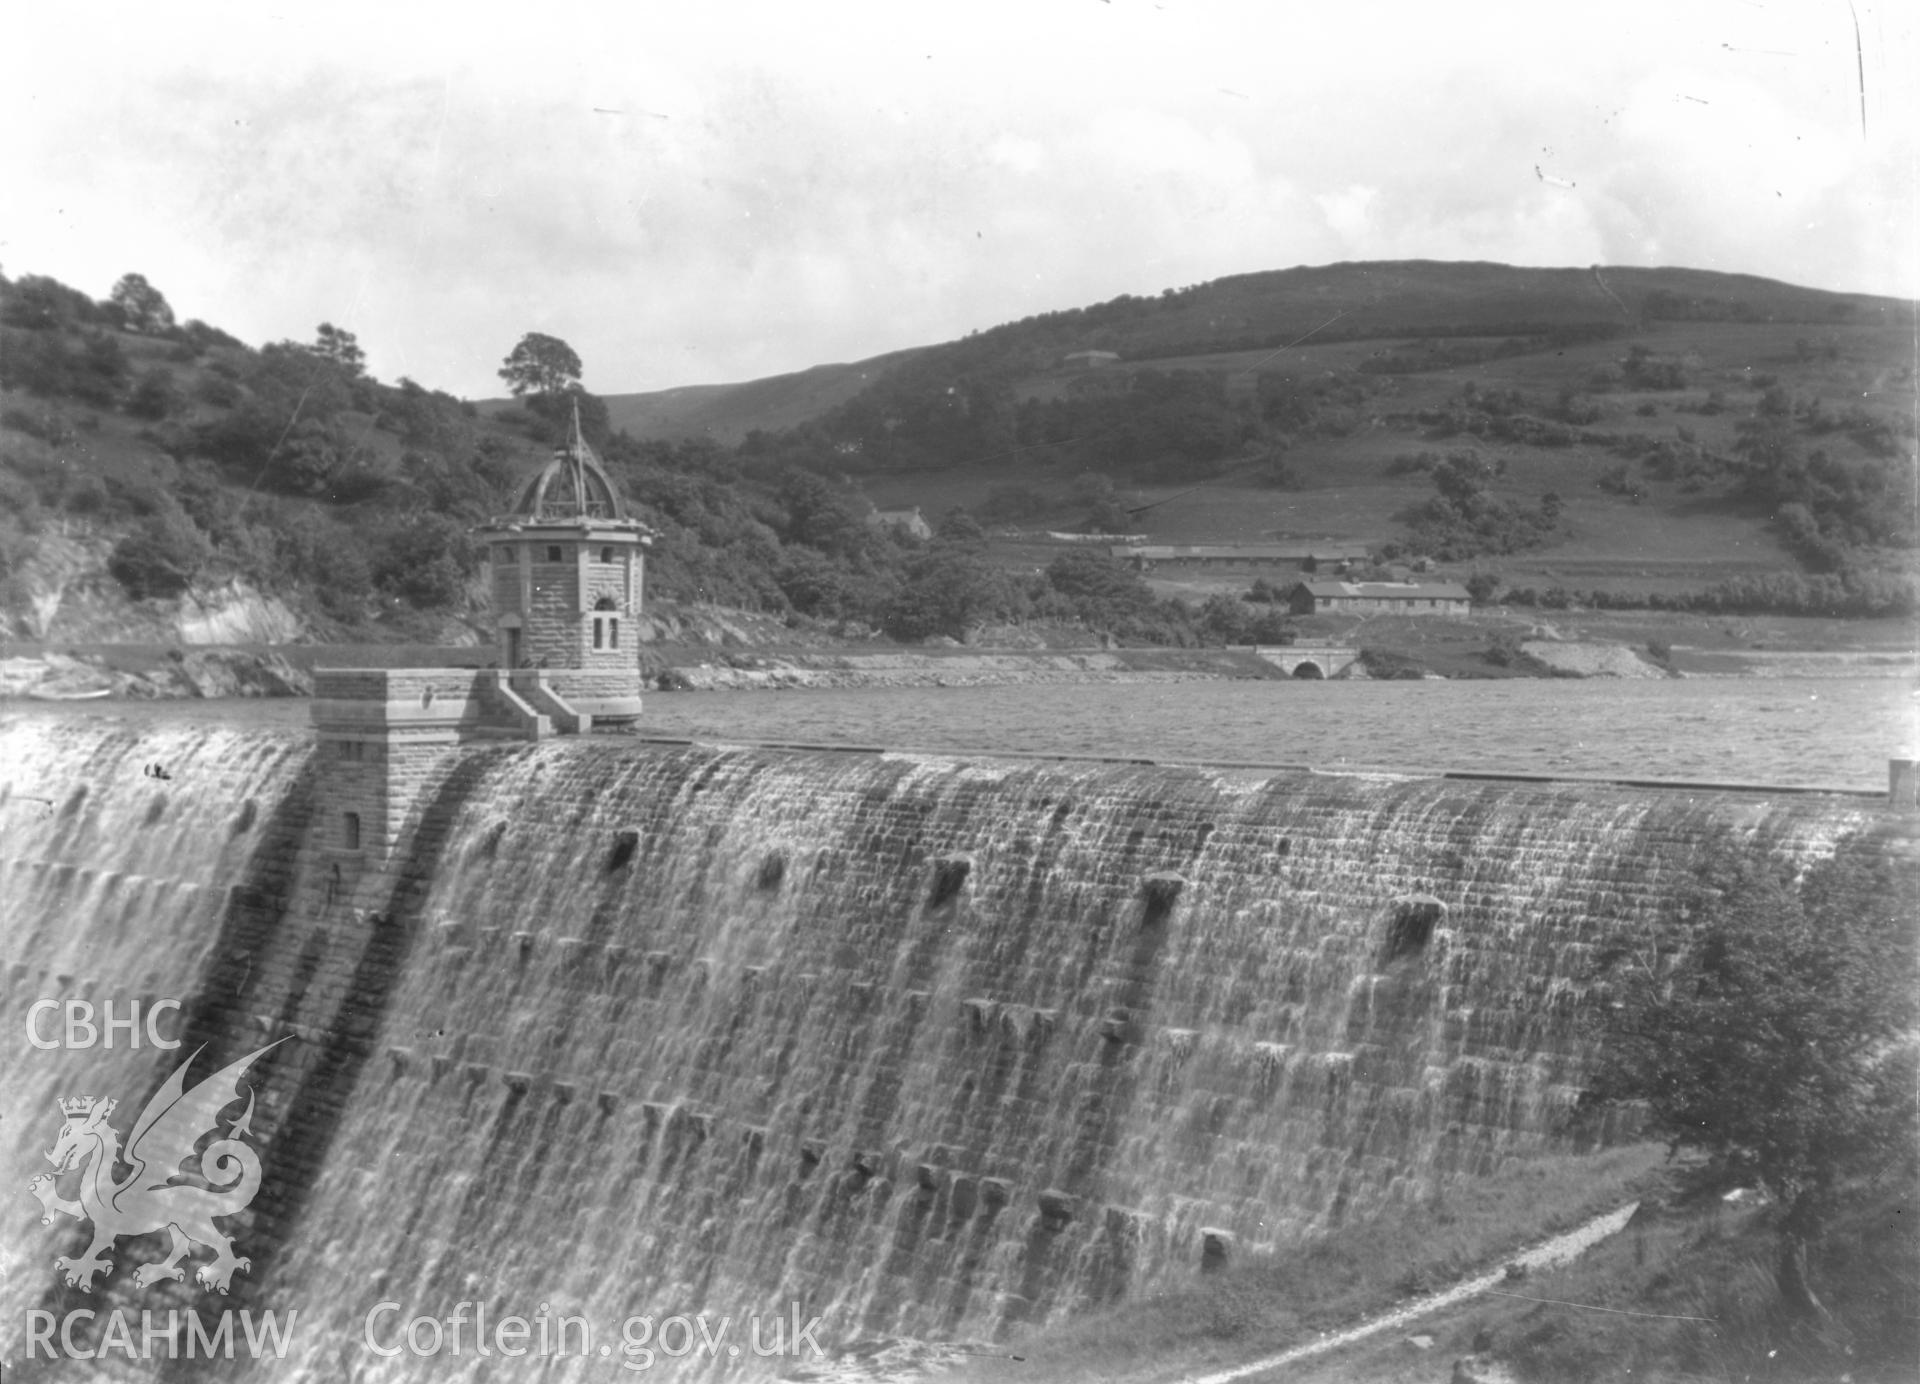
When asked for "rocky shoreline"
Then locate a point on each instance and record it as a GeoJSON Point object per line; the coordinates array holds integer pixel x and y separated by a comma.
{"type": "Point", "coordinates": [1552, 658]}
{"type": "Point", "coordinates": [55, 677]}
{"type": "Point", "coordinates": [756, 672]}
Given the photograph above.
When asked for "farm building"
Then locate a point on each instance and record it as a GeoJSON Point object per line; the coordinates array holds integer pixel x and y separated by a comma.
{"type": "Point", "coordinates": [1090, 360]}
{"type": "Point", "coordinates": [1308, 557]}
{"type": "Point", "coordinates": [1378, 598]}
{"type": "Point", "coordinates": [905, 520]}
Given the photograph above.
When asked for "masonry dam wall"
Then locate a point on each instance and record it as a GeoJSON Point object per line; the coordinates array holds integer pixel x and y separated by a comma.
{"type": "Point", "coordinates": [929, 1046]}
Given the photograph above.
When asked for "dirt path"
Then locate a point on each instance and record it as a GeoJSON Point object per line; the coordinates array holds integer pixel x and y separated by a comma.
{"type": "Point", "coordinates": [1559, 1250]}
{"type": "Point", "coordinates": [911, 1361]}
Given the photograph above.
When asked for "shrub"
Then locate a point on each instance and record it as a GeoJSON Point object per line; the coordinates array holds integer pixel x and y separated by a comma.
{"type": "Point", "coordinates": [217, 388]}
{"type": "Point", "coordinates": [1462, 521]}
{"type": "Point", "coordinates": [48, 424]}
{"type": "Point", "coordinates": [1575, 408]}
{"type": "Point", "coordinates": [425, 559]}
{"type": "Point", "coordinates": [156, 395]}
{"type": "Point", "coordinates": [160, 557]}
{"type": "Point", "coordinates": [203, 338]}
{"type": "Point", "coordinates": [1779, 1039]}
{"type": "Point", "coordinates": [1643, 370]}
{"type": "Point", "coordinates": [99, 370]}
{"type": "Point", "coordinates": [958, 526]}
{"type": "Point", "coordinates": [39, 303]}
{"type": "Point", "coordinates": [1618, 480]}
{"type": "Point", "coordinates": [947, 591]}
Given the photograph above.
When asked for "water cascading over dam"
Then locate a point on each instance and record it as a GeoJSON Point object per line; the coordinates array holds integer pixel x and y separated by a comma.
{"type": "Point", "coordinates": [927, 1046]}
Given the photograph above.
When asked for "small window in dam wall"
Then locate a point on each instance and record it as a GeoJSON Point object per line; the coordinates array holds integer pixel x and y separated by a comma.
{"type": "Point", "coordinates": [599, 633]}
{"type": "Point", "coordinates": [350, 830]}
{"type": "Point", "coordinates": [606, 555]}
{"type": "Point", "coordinates": [613, 633]}
{"type": "Point", "coordinates": [1216, 1246]}
{"type": "Point", "coordinates": [1410, 925]}
{"type": "Point", "coordinates": [553, 552]}
{"type": "Point", "coordinates": [949, 876]}
{"type": "Point", "coordinates": [625, 844]}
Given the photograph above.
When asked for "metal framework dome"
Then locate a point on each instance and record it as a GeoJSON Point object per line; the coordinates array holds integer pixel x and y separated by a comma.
{"type": "Point", "coordinates": [574, 485]}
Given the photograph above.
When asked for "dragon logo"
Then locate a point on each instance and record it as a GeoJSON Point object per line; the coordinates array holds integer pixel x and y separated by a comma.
{"type": "Point", "coordinates": [148, 1199]}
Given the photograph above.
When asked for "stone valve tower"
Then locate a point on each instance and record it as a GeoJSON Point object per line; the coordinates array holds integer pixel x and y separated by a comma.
{"type": "Point", "coordinates": [567, 572]}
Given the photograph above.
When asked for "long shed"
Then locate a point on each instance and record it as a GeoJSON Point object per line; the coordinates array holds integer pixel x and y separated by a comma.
{"type": "Point", "coordinates": [1378, 598]}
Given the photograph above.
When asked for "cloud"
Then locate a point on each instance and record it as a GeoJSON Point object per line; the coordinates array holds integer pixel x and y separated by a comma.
{"type": "Point", "coordinates": [1349, 211]}
{"type": "Point", "coordinates": [689, 194]}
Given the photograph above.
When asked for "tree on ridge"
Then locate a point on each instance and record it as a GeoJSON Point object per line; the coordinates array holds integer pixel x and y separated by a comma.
{"type": "Point", "coordinates": [341, 347]}
{"type": "Point", "coordinates": [141, 306]}
{"type": "Point", "coordinates": [541, 364]}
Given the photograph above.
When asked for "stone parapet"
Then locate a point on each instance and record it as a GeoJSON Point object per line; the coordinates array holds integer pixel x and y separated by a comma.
{"type": "Point", "coordinates": [361, 700]}
{"type": "Point", "coordinates": [449, 705]}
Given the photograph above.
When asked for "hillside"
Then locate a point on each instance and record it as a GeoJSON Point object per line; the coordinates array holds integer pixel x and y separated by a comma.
{"type": "Point", "coordinates": [1261, 312]}
{"type": "Point", "coordinates": [1693, 429]}
{"type": "Point", "coordinates": [1649, 440]}
{"type": "Point", "coordinates": [1644, 476]}
{"type": "Point", "coordinates": [726, 413]}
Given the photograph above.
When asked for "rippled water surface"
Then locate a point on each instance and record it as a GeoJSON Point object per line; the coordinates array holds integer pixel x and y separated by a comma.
{"type": "Point", "coordinates": [1790, 731]}
{"type": "Point", "coordinates": [1809, 731]}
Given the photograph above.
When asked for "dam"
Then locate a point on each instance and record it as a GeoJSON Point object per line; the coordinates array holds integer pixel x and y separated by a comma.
{"type": "Point", "coordinates": [545, 1021]}
{"type": "Point", "coordinates": [926, 1045]}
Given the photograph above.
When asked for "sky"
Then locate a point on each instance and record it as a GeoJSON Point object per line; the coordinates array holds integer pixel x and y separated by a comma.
{"type": "Point", "coordinates": [702, 193]}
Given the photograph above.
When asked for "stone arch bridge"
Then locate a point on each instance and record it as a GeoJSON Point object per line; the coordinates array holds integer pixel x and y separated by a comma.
{"type": "Point", "coordinates": [1309, 660]}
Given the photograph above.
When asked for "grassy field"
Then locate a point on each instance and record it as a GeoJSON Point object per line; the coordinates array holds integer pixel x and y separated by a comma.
{"type": "Point", "coordinates": [1666, 539]}
{"type": "Point", "coordinates": [1684, 1294]}
{"type": "Point", "coordinates": [1262, 1306]}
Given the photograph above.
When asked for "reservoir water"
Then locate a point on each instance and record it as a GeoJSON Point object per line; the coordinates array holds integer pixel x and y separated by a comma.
{"type": "Point", "coordinates": [1817, 732]}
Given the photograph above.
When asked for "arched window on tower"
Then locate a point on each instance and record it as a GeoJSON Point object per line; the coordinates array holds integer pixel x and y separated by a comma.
{"type": "Point", "coordinates": [606, 628]}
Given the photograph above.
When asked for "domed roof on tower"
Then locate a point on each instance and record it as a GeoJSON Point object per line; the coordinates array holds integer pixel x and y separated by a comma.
{"type": "Point", "coordinates": [574, 485]}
